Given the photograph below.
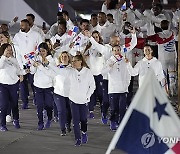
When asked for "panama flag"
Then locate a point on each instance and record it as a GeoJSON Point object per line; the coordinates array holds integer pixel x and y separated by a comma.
{"type": "Point", "coordinates": [78, 41]}
{"type": "Point", "coordinates": [150, 125]}
{"type": "Point", "coordinates": [123, 7]}
{"type": "Point", "coordinates": [127, 45]}
{"type": "Point", "coordinates": [140, 42]}
{"type": "Point", "coordinates": [73, 31]}
{"type": "Point", "coordinates": [131, 5]}
{"type": "Point", "coordinates": [60, 7]}
{"type": "Point", "coordinates": [30, 55]}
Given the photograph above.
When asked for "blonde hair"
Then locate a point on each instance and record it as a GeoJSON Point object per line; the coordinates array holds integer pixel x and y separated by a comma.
{"type": "Point", "coordinates": [69, 57]}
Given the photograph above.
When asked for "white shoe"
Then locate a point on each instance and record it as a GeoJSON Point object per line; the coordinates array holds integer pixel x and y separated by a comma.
{"type": "Point", "coordinates": [8, 118]}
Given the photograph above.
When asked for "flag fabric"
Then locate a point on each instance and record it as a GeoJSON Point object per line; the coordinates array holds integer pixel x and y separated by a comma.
{"type": "Point", "coordinates": [131, 5]}
{"type": "Point", "coordinates": [73, 31]}
{"type": "Point", "coordinates": [150, 123]}
{"type": "Point", "coordinates": [78, 41]}
{"type": "Point", "coordinates": [126, 46]}
{"type": "Point", "coordinates": [140, 42]}
{"type": "Point", "coordinates": [118, 57]}
{"type": "Point", "coordinates": [30, 55]}
{"type": "Point", "coordinates": [27, 65]}
{"type": "Point", "coordinates": [124, 50]}
{"type": "Point", "coordinates": [60, 7]}
{"type": "Point", "coordinates": [123, 7]}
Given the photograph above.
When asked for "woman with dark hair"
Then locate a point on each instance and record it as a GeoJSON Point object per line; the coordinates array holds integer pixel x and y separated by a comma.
{"type": "Point", "coordinates": [148, 62]}
{"type": "Point", "coordinates": [9, 85]}
{"type": "Point", "coordinates": [82, 86]}
{"type": "Point", "coordinates": [43, 84]}
{"type": "Point", "coordinates": [50, 45]}
{"type": "Point", "coordinates": [4, 38]}
{"type": "Point", "coordinates": [95, 61]}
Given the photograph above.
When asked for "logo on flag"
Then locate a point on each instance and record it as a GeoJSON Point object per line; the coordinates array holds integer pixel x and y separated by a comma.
{"type": "Point", "coordinates": [73, 31]}
{"type": "Point", "coordinates": [144, 126]}
{"type": "Point", "coordinates": [60, 7]}
{"type": "Point", "coordinates": [148, 140]}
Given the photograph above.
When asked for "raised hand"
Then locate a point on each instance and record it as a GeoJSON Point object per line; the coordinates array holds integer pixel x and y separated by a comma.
{"type": "Point", "coordinates": [15, 19]}
{"type": "Point", "coordinates": [21, 78]}
{"type": "Point", "coordinates": [133, 30]}
{"type": "Point", "coordinates": [71, 45]}
{"type": "Point", "coordinates": [126, 60]}
{"type": "Point", "coordinates": [36, 64]}
{"type": "Point", "coordinates": [87, 33]}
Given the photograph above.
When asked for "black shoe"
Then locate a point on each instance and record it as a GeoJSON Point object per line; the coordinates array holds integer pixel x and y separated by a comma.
{"type": "Point", "coordinates": [63, 133]}
{"type": "Point", "coordinates": [16, 124]}
{"type": "Point", "coordinates": [40, 127]}
{"type": "Point", "coordinates": [78, 142]}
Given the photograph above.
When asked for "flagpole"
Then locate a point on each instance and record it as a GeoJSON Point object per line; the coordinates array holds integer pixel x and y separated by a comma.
{"type": "Point", "coordinates": [179, 67]}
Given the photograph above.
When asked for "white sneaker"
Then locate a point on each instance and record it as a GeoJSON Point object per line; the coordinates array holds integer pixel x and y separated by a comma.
{"type": "Point", "coordinates": [8, 118]}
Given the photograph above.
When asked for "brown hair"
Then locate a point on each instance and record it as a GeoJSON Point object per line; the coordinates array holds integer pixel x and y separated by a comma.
{"type": "Point", "coordinates": [100, 38]}
{"type": "Point", "coordinates": [3, 48]}
{"type": "Point", "coordinates": [6, 34]}
{"type": "Point", "coordinates": [90, 44]}
{"type": "Point", "coordinates": [81, 58]}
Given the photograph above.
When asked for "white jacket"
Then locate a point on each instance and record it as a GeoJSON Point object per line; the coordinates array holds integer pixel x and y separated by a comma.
{"type": "Point", "coordinates": [80, 42]}
{"type": "Point", "coordinates": [149, 19]}
{"type": "Point", "coordinates": [175, 21]}
{"type": "Point", "coordinates": [25, 43]}
{"type": "Point", "coordinates": [95, 61]}
{"type": "Point", "coordinates": [65, 41]}
{"type": "Point", "coordinates": [141, 68]}
{"type": "Point", "coordinates": [118, 76]}
{"type": "Point", "coordinates": [82, 86]}
{"type": "Point", "coordinates": [106, 31]}
{"type": "Point", "coordinates": [43, 75]}
{"type": "Point", "coordinates": [106, 50]}
{"type": "Point", "coordinates": [9, 70]}
{"type": "Point", "coordinates": [118, 15]}
{"type": "Point", "coordinates": [166, 45]}
{"type": "Point", "coordinates": [39, 30]}
{"type": "Point", "coordinates": [52, 31]}
{"type": "Point", "coordinates": [70, 24]}
{"type": "Point", "coordinates": [114, 12]}
{"type": "Point", "coordinates": [62, 80]}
